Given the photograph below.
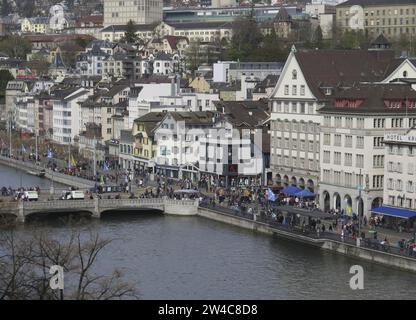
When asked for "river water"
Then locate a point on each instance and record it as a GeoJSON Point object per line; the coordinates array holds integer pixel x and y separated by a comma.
{"type": "Point", "coordinates": [194, 258]}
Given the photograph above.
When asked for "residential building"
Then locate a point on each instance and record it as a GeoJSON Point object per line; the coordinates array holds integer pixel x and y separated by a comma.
{"type": "Point", "coordinates": [35, 25]}
{"type": "Point", "coordinates": [178, 149]}
{"type": "Point", "coordinates": [233, 152]}
{"type": "Point", "coordinates": [264, 89]}
{"type": "Point", "coordinates": [228, 71]}
{"type": "Point", "coordinates": [126, 146]}
{"type": "Point", "coordinates": [145, 94]}
{"type": "Point", "coordinates": [67, 115]}
{"type": "Point", "coordinates": [163, 64]}
{"type": "Point", "coordinates": [144, 140]}
{"type": "Point", "coordinates": [90, 25]}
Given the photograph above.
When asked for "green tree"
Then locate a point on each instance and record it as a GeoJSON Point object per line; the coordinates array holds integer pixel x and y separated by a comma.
{"type": "Point", "coordinates": [247, 38]}
{"type": "Point", "coordinates": [194, 55]}
{"type": "Point", "coordinates": [82, 42]}
{"type": "Point", "coordinates": [5, 77]}
{"type": "Point", "coordinates": [39, 63]}
{"type": "Point", "coordinates": [270, 50]}
{"type": "Point", "coordinates": [15, 46]}
{"type": "Point", "coordinates": [352, 39]}
{"type": "Point", "coordinates": [318, 38]}
{"type": "Point", "coordinates": [6, 9]}
{"type": "Point", "coordinates": [130, 35]}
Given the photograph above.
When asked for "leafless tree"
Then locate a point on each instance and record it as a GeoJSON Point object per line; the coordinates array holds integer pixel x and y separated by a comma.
{"type": "Point", "coordinates": [25, 262]}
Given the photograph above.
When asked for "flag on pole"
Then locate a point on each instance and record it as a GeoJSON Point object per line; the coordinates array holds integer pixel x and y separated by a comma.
{"type": "Point", "coordinates": [73, 162]}
{"type": "Point", "coordinates": [270, 195]}
{"type": "Point", "coordinates": [23, 148]}
{"type": "Point", "coordinates": [105, 166]}
{"type": "Point", "coordinates": [50, 153]}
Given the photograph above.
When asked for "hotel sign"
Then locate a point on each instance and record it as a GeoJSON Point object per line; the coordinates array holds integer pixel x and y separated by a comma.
{"type": "Point", "coordinates": [399, 138]}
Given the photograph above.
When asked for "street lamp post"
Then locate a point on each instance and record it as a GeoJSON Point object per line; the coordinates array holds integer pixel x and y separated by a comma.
{"type": "Point", "coordinates": [360, 187]}
{"type": "Point", "coordinates": [10, 134]}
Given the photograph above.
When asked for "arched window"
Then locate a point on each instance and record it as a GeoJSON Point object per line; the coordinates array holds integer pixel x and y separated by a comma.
{"type": "Point", "coordinates": [404, 74]}
{"type": "Point", "coordinates": [294, 74]}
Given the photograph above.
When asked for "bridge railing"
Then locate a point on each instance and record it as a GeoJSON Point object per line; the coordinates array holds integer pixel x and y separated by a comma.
{"type": "Point", "coordinates": [184, 202]}
{"type": "Point", "coordinates": [58, 204]}
{"type": "Point", "coordinates": [128, 202]}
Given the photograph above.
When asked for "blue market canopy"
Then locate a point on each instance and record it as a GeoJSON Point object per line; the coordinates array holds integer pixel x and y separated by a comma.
{"type": "Point", "coordinates": [291, 190]}
{"type": "Point", "coordinates": [305, 193]}
{"type": "Point", "coordinates": [395, 212]}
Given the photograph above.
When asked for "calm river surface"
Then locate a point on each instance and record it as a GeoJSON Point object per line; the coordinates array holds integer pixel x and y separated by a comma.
{"type": "Point", "coordinates": [195, 258]}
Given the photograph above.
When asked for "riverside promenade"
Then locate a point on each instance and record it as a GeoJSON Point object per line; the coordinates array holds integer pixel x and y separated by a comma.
{"type": "Point", "coordinates": [367, 249]}
{"type": "Point", "coordinates": [31, 168]}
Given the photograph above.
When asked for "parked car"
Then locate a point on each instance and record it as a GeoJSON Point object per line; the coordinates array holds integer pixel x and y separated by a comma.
{"type": "Point", "coordinates": [73, 195]}
{"type": "Point", "coordinates": [30, 196]}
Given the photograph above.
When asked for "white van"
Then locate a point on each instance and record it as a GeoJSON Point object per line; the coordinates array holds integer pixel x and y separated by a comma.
{"type": "Point", "coordinates": [31, 196]}
{"type": "Point", "coordinates": [76, 195]}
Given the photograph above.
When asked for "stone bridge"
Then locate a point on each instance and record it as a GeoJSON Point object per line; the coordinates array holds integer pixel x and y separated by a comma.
{"type": "Point", "coordinates": [96, 207]}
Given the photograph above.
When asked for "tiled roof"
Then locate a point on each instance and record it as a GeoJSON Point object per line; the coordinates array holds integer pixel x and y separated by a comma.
{"type": "Point", "coordinates": [332, 68]}
{"type": "Point", "coordinates": [201, 25]}
{"type": "Point", "coordinates": [244, 113]}
{"type": "Point", "coordinates": [374, 98]}
{"type": "Point", "coordinates": [194, 118]}
{"type": "Point", "coordinates": [150, 121]}
{"type": "Point", "coordinates": [173, 41]}
{"type": "Point", "coordinates": [57, 37]}
{"type": "Point", "coordinates": [123, 28]}
{"type": "Point", "coordinates": [282, 15]}
{"type": "Point", "coordinates": [92, 19]}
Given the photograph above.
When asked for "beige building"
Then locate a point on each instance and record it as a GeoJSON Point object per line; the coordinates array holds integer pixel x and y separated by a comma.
{"type": "Point", "coordinates": [194, 31]}
{"type": "Point", "coordinates": [120, 12]}
{"type": "Point", "coordinates": [390, 17]}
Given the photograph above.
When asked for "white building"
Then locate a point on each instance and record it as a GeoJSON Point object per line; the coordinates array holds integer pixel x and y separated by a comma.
{"type": "Point", "coordinates": [67, 115]}
{"type": "Point", "coordinates": [24, 113]}
{"type": "Point", "coordinates": [400, 169]}
{"type": "Point", "coordinates": [91, 63]}
{"type": "Point", "coordinates": [145, 94]}
{"type": "Point", "coordinates": [178, 150]}
{"type": "Point", "coordinates": [139, 11]}
{"type": "Point", "coordinates": [353, 158]}
{"type": "Point", "coordinates": [187, 101]}
{"type": "Point", "coordinates": [228, 71]}
{"type": "Point", "coordinates": [163, 64]}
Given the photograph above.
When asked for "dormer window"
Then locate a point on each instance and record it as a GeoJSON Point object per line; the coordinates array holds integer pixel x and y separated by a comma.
{"type": "Point", "coordinates": [294, 75]}
{"type": "Point", "coordinates": [327, 91]}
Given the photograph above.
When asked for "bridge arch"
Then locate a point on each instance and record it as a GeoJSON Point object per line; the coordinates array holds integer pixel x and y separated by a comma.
{"type": "Point", "coordinates": [130, 211]}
